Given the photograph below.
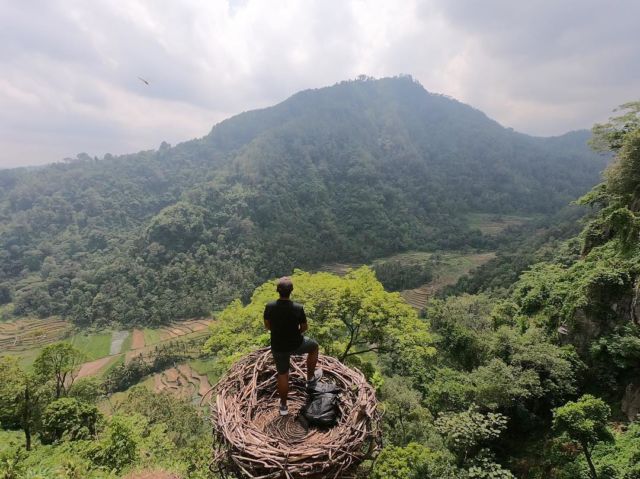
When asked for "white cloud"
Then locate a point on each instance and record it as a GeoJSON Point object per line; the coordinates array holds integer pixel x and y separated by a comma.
{"type": "Point", "coordinates": [546, 67]}
{"type": "Point", "coordinates": [69, 67]}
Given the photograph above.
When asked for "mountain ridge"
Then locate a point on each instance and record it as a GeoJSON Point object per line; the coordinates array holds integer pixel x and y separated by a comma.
{"type": "Point", "coordinates": [350, 172]}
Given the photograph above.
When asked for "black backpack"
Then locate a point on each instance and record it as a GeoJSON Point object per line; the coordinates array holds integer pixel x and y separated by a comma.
{"type": "Point", "coordinates": [321, 409]}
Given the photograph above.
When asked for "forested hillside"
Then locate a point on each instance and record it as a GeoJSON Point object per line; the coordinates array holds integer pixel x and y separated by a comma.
{"type": "Point", "coordinates": [537, 377]}
{"type": "Point", "coordinates": [350, 172]}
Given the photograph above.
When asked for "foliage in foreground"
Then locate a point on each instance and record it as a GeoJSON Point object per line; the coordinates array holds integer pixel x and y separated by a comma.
{"type": "Point", "coordinates": [172, 434]}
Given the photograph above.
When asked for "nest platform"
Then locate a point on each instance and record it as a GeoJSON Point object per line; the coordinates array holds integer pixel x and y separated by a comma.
{"type": "Point", "coordinates": [253, 441]}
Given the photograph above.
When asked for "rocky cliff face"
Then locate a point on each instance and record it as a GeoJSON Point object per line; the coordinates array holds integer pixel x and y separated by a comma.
{"type": "Point", "coordinates": [589, 326]}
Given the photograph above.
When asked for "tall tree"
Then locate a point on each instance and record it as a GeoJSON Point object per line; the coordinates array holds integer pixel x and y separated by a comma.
{"type": "Point", "coordinates": [59, 362]}
{"type": "Point", "coordinates": [20, 397]}
{"type": "Point", "coordinates": [585, 423]}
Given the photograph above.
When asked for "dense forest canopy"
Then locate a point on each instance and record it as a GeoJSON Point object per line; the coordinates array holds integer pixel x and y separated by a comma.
{"type": "Point", "coordinates": [351, 172]}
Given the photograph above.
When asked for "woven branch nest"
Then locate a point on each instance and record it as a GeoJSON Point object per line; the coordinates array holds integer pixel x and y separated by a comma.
{"type": "Point", "coordinates": [252, 440]}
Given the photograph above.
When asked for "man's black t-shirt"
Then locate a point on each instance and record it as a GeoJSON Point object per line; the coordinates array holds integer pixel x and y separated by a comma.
{"type": "Point", "coordinates": [285, 318]}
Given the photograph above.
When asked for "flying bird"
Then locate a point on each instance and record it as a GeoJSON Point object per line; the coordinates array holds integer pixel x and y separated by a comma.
{"type": "Point", "coordinates": [143, 80]}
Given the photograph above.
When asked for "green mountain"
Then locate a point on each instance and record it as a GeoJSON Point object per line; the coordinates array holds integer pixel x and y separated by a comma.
{"type": "Point", "coordinates": [345, 173]}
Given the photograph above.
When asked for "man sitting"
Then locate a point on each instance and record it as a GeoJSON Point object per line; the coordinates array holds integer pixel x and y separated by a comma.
{"type": "Point", "coordinates": [286, 321]}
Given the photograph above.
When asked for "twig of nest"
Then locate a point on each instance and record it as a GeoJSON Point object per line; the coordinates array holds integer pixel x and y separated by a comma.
{"type": "Point", "coordinates": [252, 440]}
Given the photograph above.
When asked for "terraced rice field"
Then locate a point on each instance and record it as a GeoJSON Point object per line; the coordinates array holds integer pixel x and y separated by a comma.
{"type": "Point", "coordinates": [206, 367]}
{"type": "Point", "coordinates": [145, 340]}
{"type": "Point", "coordinates": [338, 268]}
{"type": "Point", "coordinates": [103, 350]}
{"type": "Point", "coordinates": [492, 225]}
{"type": "Point", "coordinates": [182, 381]}
{"type": "Point", "coordinates": [24, 334]}
{"type": "Point", "coordinates": [453, 267]}
{"type": "Point", "coordinates": [449, 267]}
{"type": "Point", "coordinates": [175, 330]}
{"type": "Point", "coordinates": [185, 327]}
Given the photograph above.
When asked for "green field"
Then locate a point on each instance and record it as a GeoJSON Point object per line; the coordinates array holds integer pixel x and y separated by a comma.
{"type": "Point", "coordinates": [453, 265]}
{"type": "Point", "coordinates": [205, 367]}
{"type": "Point", "coordinates": [94, 346]}
{"type": "Point", "coordinates": [27, 357]}
{"type": "Point", "coordinates": [447, 264]}
{"type": "Point", "coordinates": [448, 267]}
{"type": "Point", "coordinates": [411, 257]}
{"type": "Point", "coordinates": [126, 344]}
{"type": "Point", "coordinates": [493, 224]}
{"type": "Point", "coordinates": [152, 336]}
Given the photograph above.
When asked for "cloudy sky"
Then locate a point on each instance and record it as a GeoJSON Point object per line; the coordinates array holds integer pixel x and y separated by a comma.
{"type": "Point", "coordinates": [69, 68]}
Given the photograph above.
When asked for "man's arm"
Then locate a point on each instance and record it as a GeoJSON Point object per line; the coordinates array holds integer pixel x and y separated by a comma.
{"type": "Point", "coordinates": [303, 321]}
{"type": "Point", "coordinates": [267, 322]}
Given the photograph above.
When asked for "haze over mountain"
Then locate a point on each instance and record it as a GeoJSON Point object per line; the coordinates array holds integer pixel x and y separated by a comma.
{"type": "Point", "coordinates": [349, 172]}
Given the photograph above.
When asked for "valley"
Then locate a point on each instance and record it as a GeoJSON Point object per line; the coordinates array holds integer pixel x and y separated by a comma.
{"type": "Point", "coordinates": [102, 350]}
{"type": "Point", "coordinates": [448, 267]}
{"type": "Point", "coordinates": [190, 380]}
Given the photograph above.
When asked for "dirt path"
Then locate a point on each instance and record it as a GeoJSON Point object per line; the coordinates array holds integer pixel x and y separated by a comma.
{"type": "Point", "coordinates": [93, 367]}
{"type": "Point", "coordinates": [137, 340]}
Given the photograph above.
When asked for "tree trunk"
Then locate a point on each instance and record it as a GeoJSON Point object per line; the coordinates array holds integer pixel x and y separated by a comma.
{"type": "Point", "coordinates": [27, 437]}
{"type": "Point", "coordinates": [345, 353]}
{"type": "Point", "coordinates": [26, 419]}
{"type": "Point", "coordinates": [59, 385]}
{"type": "Point", "coordinates": [592, 468]}
{"type": "Point", "coordinates": [404, 431]}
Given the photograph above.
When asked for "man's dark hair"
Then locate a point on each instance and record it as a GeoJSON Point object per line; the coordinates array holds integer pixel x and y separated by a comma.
{"type": "Point", "coordinates": [284, 286]}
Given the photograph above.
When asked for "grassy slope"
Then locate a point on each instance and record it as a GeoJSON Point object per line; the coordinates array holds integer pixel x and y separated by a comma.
{"type": "Point", "coordinates": [94, 346]}
{"type": "Point", "coordinates": [152, 336]}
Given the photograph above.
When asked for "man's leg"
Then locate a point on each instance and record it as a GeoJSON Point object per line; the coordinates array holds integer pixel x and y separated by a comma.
{"type": "Point", "coordinates": [312, 360]}
{"type": "Point", "coordinates": [311, 349]}
{"type": "Point", "coordinates": [283, 387]}
{"type": "Point", "coordinates": [282, 361]}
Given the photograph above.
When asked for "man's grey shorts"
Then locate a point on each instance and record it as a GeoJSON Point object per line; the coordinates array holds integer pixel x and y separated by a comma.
{"type": "Point", "coordinates": [282, 358]}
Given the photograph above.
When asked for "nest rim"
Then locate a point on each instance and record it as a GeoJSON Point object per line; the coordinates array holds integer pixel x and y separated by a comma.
{"type": "Point", "coordinates": [244, 416]}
